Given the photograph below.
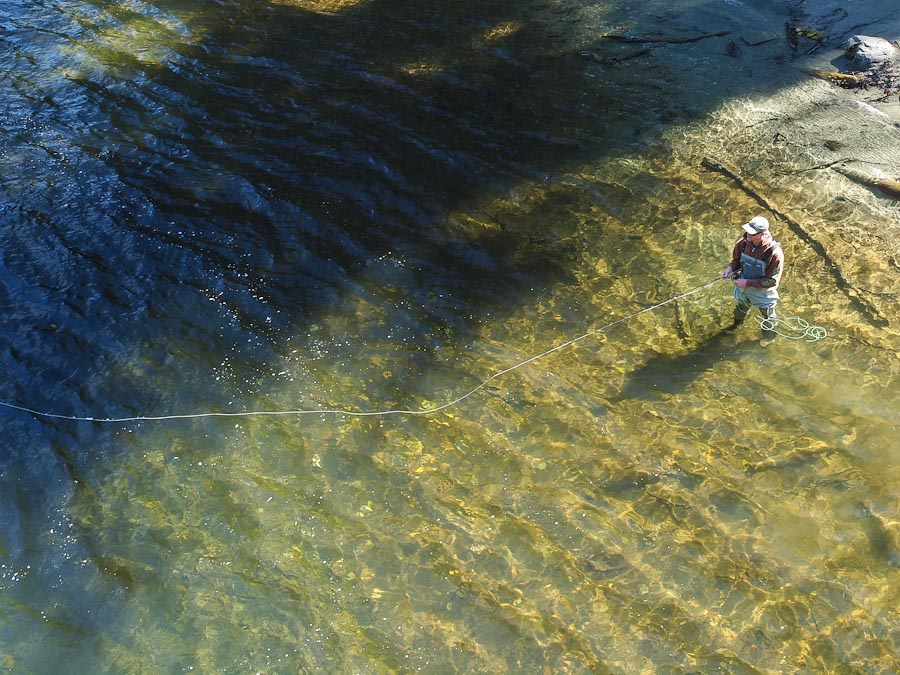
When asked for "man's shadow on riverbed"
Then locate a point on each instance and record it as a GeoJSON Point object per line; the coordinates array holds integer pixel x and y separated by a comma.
{"type": "Point", "coordinates": [666, 374]}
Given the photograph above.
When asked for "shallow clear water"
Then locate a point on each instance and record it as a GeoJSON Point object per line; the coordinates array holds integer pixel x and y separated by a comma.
{"type": "Point", "coordinates": [258, 206]}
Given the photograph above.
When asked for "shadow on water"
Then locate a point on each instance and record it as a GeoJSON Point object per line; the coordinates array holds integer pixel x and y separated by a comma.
{"type": "Point", "coordinates": [670, 374]}
{"type": "Point", "coordinates": [248, 182]}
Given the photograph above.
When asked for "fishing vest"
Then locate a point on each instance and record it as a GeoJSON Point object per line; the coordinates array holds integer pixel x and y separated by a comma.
{"type": "Point", "coordinates": [755, 268]}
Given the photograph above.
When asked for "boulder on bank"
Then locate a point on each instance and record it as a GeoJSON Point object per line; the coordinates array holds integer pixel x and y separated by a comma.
{"type": "Point", "coordinates": [867, 52]}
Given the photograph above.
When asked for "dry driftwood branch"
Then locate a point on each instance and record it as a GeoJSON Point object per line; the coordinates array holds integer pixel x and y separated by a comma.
{"type": "Point", "coordinates": [757, 191]}
{"type": "Point", "coordinates": [843, 79]}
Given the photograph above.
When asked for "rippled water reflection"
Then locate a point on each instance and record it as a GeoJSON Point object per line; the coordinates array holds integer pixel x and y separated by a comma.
{"type": "Point", "coordinates": [254, 206]}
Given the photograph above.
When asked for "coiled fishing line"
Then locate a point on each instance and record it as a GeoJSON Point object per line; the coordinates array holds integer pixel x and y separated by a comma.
{"type": "Point", "coordinates": [819, 334]}
{"type": "Point", "coordinates": [800, 328]}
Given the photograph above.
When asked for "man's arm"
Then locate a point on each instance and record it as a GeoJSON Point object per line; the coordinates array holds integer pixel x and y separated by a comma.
{"type": "Point", "coordinates": [735, 263]}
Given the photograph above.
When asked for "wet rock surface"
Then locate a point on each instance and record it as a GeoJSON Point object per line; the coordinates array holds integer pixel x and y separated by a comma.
{"type": "Point", "coordinates": [865, 52]}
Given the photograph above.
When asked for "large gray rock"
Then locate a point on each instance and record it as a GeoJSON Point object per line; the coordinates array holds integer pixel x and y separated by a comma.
{"type": "Point", "coordinates": [867, 52]}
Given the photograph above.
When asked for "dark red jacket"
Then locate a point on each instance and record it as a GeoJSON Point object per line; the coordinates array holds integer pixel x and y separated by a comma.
{"type": "Point", "coordinates": [770, 252]}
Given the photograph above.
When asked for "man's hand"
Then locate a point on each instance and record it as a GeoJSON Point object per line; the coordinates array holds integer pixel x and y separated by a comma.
{"type": "Point", "coordinates": [727, 273]}
{"type": "Point", "coordinates": [740, 283]}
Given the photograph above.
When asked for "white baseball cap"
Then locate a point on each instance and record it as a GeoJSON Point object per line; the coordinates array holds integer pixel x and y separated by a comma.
{"type": "Point", "coordinates": [756, 225]}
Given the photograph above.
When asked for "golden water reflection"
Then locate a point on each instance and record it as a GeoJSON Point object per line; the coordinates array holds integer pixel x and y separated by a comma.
{"type": "Point", "coordinates": [664, 497]}
{"type": "Point", "coordinates": [668, 497]}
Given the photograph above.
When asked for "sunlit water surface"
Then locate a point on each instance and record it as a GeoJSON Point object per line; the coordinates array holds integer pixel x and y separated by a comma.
{"type": "Point", "coordinates": [231, 206]}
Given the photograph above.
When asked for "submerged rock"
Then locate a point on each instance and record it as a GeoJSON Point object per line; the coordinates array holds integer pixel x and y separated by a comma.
{"type": "Point", "coordinates": [867, 52]}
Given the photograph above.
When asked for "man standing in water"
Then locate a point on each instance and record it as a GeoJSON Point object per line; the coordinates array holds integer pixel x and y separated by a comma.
{"type": "Point", "coordinates": [757, 262]}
